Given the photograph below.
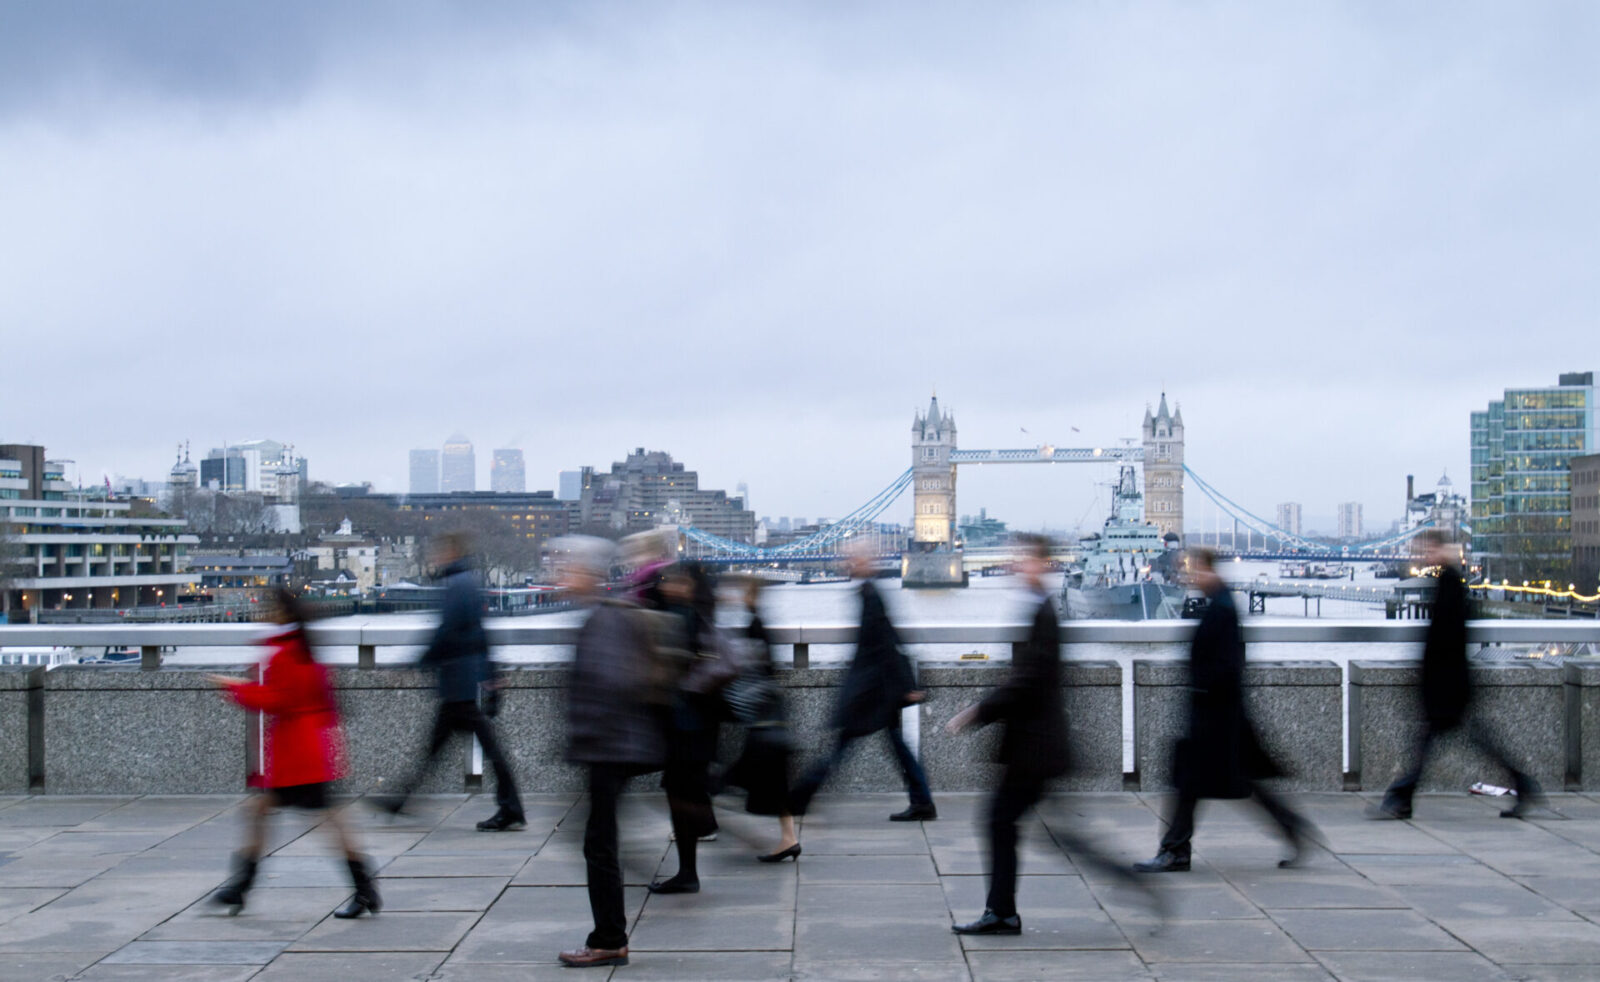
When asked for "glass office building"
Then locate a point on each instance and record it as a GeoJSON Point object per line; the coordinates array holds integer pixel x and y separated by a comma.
{"type": "Point", "coordinates": [1522, 448]}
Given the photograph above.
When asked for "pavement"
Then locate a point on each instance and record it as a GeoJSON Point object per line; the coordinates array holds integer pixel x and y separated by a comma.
{"type": "Point", "coordinates": [102, 888]}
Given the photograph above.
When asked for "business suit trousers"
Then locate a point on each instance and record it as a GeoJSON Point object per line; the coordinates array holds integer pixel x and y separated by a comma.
{"type": "Point", "coordinates": [602, 859]}
{"type": "Point", "coordinates": [466, 717]}
{"type": "Point", "coordinates": [1180, 821]}
{"type": "Point", "coordinates": [1010, 802]}
{"type": "Point", "coordinates": [910, 768]}
{"type": "Point", "coordinates": [1405, 786]}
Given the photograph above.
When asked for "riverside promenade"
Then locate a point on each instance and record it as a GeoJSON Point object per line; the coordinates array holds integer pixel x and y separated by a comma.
{"type": "Point", "coordinates": [115, 888]}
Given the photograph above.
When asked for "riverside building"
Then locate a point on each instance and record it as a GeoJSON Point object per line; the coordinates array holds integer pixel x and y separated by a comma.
{"type": "Point", "coordinates": [66, 551]}
{"type": "Point", "coordinates": [1523, 445]}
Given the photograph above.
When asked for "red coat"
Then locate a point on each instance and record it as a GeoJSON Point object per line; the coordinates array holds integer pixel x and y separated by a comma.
{"type": "Point", "coordinates": [304, 745]}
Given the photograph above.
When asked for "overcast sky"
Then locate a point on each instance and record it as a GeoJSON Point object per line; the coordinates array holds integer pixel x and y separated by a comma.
{"type": "Point", "coordinates": [757, 238]}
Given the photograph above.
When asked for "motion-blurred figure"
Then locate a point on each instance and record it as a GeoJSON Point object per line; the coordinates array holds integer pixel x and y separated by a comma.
{"type": "Point", "coordinates": [612, 731]}
{"type": "Point", "coordinates": [459, 655]}
{"type": "Point", "coordinates": [1447, 689]}
{"type": "Point", "coordinates": [877, 686]}
{"type": "Point", "coordinates": [756, 700]}
{"type": "Point", "coordinates": [303, 750]}
{"type": "Point", "coordinates": [1034, 748]}
{"type": "Point", "coordinates": [1221, 757]}
{"type": "Point", "coordinates": [693, 720]}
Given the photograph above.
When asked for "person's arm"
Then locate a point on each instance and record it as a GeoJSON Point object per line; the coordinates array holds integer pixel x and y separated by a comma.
{"type": "Point", "coordinates": [452, 621]}
{"type": "Point", "coordinates": [1024, 684]}
{"type": "Point", "coordinates": [271, 695]}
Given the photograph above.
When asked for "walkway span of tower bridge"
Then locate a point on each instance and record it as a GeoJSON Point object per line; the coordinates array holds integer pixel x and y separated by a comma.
{"type": "Point", "coordinates": [932, 480]}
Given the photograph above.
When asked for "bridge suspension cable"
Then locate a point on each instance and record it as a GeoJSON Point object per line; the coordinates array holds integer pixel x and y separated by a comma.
{"type": "Point", "coordinates": [818, 541]}
{"type": "Point", "coordinates": [1265, 528]}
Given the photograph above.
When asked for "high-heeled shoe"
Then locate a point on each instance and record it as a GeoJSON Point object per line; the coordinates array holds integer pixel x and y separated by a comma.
{"type": "Point", "coordinates": [793, 852]}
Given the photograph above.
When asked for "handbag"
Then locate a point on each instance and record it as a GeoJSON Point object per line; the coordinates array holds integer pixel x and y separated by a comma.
{"type": "Point", "coordinates": [750, 698]}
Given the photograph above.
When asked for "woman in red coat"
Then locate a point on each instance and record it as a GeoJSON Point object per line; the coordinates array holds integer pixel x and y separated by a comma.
{"type": "Point", "coordinates": [303, 754]}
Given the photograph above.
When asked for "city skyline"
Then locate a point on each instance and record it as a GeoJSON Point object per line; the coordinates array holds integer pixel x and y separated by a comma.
{"type": "Point", "coordinates": [757, 239]}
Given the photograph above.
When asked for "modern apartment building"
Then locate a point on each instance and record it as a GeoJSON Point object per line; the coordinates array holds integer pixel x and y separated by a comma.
{"type": "Point", "coordinates": [62, 550]}
{"type": "Point", "coordinates": [1350, 524]}
{"type": "Point", "coordinates": [649, 488]}
{"type": "Point", "coordinates": [1289, 517]}
{"type": "Point", "coordinates": [1523, 445]}
{"type": "Point", "coordinates": [1586, 523]}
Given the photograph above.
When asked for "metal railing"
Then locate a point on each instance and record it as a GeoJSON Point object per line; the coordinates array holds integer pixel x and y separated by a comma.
{"type": "Point", "coordinates": [151, 640]}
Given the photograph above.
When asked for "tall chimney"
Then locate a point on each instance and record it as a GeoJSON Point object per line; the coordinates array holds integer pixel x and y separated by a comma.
{"type": "Point", "coordinates": [1411, 490]}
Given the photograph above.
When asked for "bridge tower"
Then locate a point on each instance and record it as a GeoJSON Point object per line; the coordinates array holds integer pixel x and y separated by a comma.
{"type": "Point", "coordinates": [1163, 468]}
{"type": "Point", "coordinates": [931, 557]}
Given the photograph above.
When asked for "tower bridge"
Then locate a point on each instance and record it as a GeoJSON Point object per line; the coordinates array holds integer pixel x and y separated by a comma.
{"type": "Point", "coordinates": [932, 555]}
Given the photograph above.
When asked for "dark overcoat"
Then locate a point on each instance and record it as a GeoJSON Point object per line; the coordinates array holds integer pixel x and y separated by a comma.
{"type": "Point", "coordinates": [1446, 689]}
{"type": "Point", "coordinates": [1030, 704]}
{"type": "Point", "coordinates": [1221, 757]}
{"type": "Point", "coordinates": [459, 651]}
{"type": "Point", "coordinates": [879, 679]}
{"type": "Point", "coordinates": [609, 716]}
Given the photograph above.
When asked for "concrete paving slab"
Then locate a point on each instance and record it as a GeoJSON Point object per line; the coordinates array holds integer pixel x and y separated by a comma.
{"type": "Point", "coordinates": [1576, 893]}
{"type": "Point", "coordinates": [690, 928]}
{"type": "Point", "coordinates": [1314, 887]}
{"type": "Point", "coordinates": [1255, 942]}
{"type": "Point", "coordinates": [1504, 940]}
{"type": "Point", "coordinates": [1364, 930]}
{"type": "Point", "coordinates": [401, 931]}
{"type": "Point", "coordinates": [107, 972]}
{"type": "Point", "coordinates": [269, 915]}
{"type": "Point", "coordinates": [872, 869]}
{"type": "Point", "coordinates": [15, 901]}
{"type": "Point", "coordinates": [534, 924]}
{"type": "Point", "coordinates": [1509, 899]}
{"type": "Point", "coordinates": [858, 939]}
{"type": "Point", "coordinates": [1236, 972]}
{"type": "Point", "coordinates": [195, 953]}
{"type": "Point", "coordinates": [59, 810]}
{"type": "Point", "coordinates": [1550, 973]}
{"type": "Point", "coordinates": [349, 966]}
{"type": "Point", "coordinates": [1069, 966]}
{"type": "Point", "coordinates": [443, 893]}
{"type": "Point", "coordinates": [410, 865]}
{"type": "Point", "coordinates": [1413, 966]}
{"type": "Point", "coordinates": [43, 967]}
{"type": "Point", "coordinates": [693, 966]}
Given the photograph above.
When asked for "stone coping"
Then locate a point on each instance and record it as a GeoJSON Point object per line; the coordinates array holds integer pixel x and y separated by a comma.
{"type": "Point", "coordinates": [1149, 672]}
{"type": "Point", "coordinates": [1493, 674]}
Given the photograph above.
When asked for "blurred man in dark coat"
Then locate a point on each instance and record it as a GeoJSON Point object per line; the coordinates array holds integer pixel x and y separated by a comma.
{"type": "Point", "coordinates": [1034, 747]}
{"type": "Point", "coordinates": [878, 684]}
{"type": "Point", "coordinates": [459, 656]}
{"type": "Point", "coordinates": [612, 731]}
{"type": "Point", "coordinates": [1447, 688]}
{"type": "Point", "coordinates": [1221, 757]}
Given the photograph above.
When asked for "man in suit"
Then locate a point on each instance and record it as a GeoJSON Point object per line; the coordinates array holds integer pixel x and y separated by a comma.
{"type": "Point", "coordinates": [1034, 747]}
{"type": "Point", "coordinates": [1447, 688]}
{"type": "Point", "coordinates": [877, 685]}
{"type": "Point", "coordinates": [1221, 757]}
{"type": "Point", "coordinates": [459, 656]}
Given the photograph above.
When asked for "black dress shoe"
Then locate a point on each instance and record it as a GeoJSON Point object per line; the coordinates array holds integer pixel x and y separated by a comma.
{"type": "Point", "coordinates": [1390, 810]}
{"type": "Point", "coordinates": [1529, 797]}
{"type": "Point", "coordinates": [1165, 862]}
{"type": "Point", "coordinates": [793, 852]}
{"type": "Point", "coordinates": [916, 813]}
{"type": "Point", "coordinates": [503, 821]}
{"type": "Point", "coordinates": [991, 923]}
{"type": "Point", "coordinates": [675, 885]}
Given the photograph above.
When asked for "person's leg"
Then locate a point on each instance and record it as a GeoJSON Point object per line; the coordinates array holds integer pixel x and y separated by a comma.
{"type": "Point", "coordinates": [232, 893]}
{"type": "Point", "coordinates": [444, 724]}
{"type": "Point", "coordinates": [786, 834]}
{"type": "Point", "coordinates": [505, 784]}
{"type": "Point", "coordinates": [255, 828]}
{"type": "Point", "coordinates": [1011, 800]}
{"type": "Point", "coordinates": [1529, 794]}
{"type": "Point", "coordinates": [1397, 799]}
{"type": "Point", "coordinates": [806, 788]}
{"type": "Point", "coordinates": [1180, 826]}
{"type": "Point", "coordinates": [911, 769]}
{"type": "Point", "coordinates": [689, 806]}
{"type": "Point", "coordinates": [600, 853]}
{"type": "Point", "coordinates": [1293, 824]}
{"type": "Point", "coordinates": [365, 892]}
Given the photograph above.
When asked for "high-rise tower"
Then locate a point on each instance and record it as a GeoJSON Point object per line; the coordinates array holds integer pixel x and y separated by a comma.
{"type": "Point", "coordinates": [1163, 469]}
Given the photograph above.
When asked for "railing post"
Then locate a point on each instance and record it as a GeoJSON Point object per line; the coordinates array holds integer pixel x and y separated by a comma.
{"type": "Point", "coordinates": [802, 655]}
{"type": "Point", "coordinates": [149, 657]}
{"type": "Point", "coordinates": [366, 656]}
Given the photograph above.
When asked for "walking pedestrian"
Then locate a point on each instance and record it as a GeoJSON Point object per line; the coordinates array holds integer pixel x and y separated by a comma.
{"type": "Point", "coordinates": [613, 732]}
{"type": "Point", "coordinates": [693, 722]}
{"type": "Point", "coordinates": [878, 684]}
{"type": "Point", "coordinates": [1221, 757]}
{"type": "Point", "coordinates": [756, 700]}
{"type": "Point", "coordinates": [459, 655]}
{"type": "Point", "coordinates": [1447, 695]}
{"type": "Point", "coordinates": [302, 754]}
{"type": "Point", "coordinates": [1029, 704]}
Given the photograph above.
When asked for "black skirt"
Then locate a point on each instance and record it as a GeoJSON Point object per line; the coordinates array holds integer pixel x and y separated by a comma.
{"type": "Point", "coordinates": [763, 770]}
{"type": "Point", "coordinates": [311, 797]}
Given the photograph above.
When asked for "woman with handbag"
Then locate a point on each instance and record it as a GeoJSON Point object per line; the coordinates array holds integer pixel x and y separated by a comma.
{"type": "Point", "coordinates": [756, 701]}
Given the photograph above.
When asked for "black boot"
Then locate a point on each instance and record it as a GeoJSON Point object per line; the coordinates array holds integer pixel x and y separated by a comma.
{"type": "Point", "coordinates": [232, 893]}
{"type": "Point", "coordinates": [366, 895]}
